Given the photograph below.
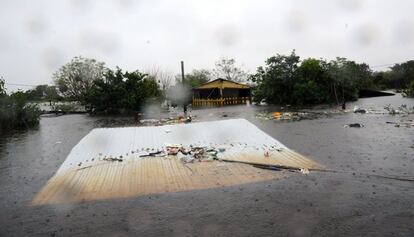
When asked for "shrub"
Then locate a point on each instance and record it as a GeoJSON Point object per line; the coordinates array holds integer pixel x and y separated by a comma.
{"type": "Point", "coordinates": [121, 92]}
{"type": "Point", "coordinates": [409, 92]}
{"type": "Point", "coordinates": [16, 113]}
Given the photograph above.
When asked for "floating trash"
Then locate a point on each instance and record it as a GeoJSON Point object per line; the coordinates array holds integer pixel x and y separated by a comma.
{"type": "Point", "coordinates": [354, 125]}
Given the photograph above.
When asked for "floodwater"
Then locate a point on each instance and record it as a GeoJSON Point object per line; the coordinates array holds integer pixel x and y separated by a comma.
{"type": "Point", "coordinates": [357, 201]}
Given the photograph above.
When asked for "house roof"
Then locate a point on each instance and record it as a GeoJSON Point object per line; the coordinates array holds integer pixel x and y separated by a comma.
{"type": "Point", "coordinates": [222, 83]}
{"type": "Point", "coordinates": [87, 175]}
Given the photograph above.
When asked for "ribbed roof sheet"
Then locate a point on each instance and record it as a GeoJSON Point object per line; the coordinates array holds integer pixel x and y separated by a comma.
{"type": "Point", "coordinates": [86, 175]}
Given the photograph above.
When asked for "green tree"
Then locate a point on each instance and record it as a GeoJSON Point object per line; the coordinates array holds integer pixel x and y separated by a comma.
{"type": "Point", "coordinates": [196, 78]}
{"type": "Point", "coordinates": [2, 88]}
{"type": "Point", "coordinates": [275, 81]}
{"type": "Point", "coordinates": [382, 80]}
{"type": "Point", "coordinates": [15, 112]}
{"type": "Point", "coordinates": [43, 92]}
{"type": "Point", "coordinates": [313, 85]}
{"type": "Point", "coordinates": [349, 77]}
{"type": "Point", "coordinates": [119, 91]}
{"type": "Point", "coordinates": [75, 78]}
{"type": "Point", "coordinates": [400, 77]}
{"type": "Point", "coordinates": [286, 80]}
{"type": "Point", "coordinates": [409, 92]}
{"type": "Point", "coordinates": [402, 74]}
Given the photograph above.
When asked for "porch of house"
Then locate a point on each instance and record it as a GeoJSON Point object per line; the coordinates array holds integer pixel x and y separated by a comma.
{"type": "Point", "coordinates": [221, 92]}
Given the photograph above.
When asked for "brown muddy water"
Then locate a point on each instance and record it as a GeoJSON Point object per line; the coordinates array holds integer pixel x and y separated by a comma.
{"type": "Point", "coordinates": [354, 202]}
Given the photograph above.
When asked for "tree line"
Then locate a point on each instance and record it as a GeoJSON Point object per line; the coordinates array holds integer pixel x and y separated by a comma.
{"type": "Point", "coordinates": [116, 91]}
{"type": "Point", "coordinates": [283, 79]}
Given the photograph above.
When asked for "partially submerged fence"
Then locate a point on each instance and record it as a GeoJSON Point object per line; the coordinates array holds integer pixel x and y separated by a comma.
{"type": "Point", "coordinates": [220, 101]}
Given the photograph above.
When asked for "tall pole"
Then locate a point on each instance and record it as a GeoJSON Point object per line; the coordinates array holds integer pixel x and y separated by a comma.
{"type": "Point", "coordinates": [182, 71]}
{"type": "Point", "coordinates": [182, 79]}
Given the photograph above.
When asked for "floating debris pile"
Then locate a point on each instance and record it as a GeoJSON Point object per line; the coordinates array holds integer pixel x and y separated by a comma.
{"type": "Point", "coordinates": [403, 123]}
{"type": "Point", "coordinates": [186, 154]}
{"type": "Point", "coordinates": [166, 121]}
{"type": "Point", "coordinates": [354, 125]}
{"type": "Point", "coordinates": [402, 109]}
{"type": "Point", "coordinates": [294, 116]}
{"type": "Point", "coordinates": [129, 121]}
{"type": "Point", "coordinates": [358, 110]}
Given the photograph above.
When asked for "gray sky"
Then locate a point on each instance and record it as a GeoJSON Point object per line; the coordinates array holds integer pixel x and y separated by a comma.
{"type": "Point", "coordinates": [37, 37]}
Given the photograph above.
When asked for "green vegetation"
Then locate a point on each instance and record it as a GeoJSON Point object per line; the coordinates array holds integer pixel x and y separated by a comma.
{"type": "Point", "coordinates": [107, 91]}
{"type": "Point", "coordinates": [409, 92]}
{"type": "Point", "coordinates": [399, 77]}
{"type": "Point", "coordinates": [196, 78]}
{"type": "Point", "coordinates": [286, 80]}
{"type": "Point", "coordinates": [43, 93]}
{"type": "Point", "coordinates": [76, 78]}
{"type": "Point", "coordinates": [119, 92]}
{"type": "Point", "coordinates": [15, 112]}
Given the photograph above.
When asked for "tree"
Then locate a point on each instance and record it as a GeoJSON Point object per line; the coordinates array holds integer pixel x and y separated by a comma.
{"type": "Point", "coordinates": [196, 78]}
{"type": "Point", "coordinates": [76, 77]}
{"type": "Point", "coordinates": [226, 68]}
{"type": "Point", "coordinates": [276, 80]}
{"type": "Point", "coordinates": [409, 92]}
{"type": "Point", "coordinates": [119, 91]}
{"type": "Point", "coordinates": [313, 83]}
{"type": "Point", "coordinates": [286, 80]}
{"type": "Point", "coordinates": [15, 112]}
{"type": "Point", "coordinates": [2, 88]}
{"type": "Point", "coordinates": [42, 92]}
{"type": "Point", "coordinates": [402, 74]}
{"type": "Point", "coordinates": [349, 77]}
{"type": "Point", "coordinates": [382, 80]}
{"type": "Point", "coordinates": [163, 77]}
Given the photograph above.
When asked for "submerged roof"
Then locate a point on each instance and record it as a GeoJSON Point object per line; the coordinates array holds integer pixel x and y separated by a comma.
{"type": "Point", "coordinates": [87, 175]}
{"type": "Point", "coordinates": [223, 83]}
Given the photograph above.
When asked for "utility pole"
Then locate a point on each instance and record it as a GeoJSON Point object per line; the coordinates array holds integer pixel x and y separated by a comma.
{"type": "Point", "coordinates": [182, 80]}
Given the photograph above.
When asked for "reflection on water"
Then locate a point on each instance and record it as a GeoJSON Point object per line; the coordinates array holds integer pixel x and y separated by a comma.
{"type": "Point", "coordinates": [378, 103]}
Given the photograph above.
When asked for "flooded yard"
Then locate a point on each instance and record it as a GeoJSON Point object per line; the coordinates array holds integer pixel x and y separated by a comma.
{"type": "Point", "coordinates": [362, 198]}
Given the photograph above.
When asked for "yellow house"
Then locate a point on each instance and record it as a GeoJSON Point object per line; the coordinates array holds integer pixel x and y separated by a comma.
{"type": "Point", "coordinates": [221, 92]}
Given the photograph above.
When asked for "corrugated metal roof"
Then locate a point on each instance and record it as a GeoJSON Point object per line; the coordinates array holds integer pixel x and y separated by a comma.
{"type": "Point", "coordinates": [146, 176]}
{"type": "Point", "coordinates": [85, 175]}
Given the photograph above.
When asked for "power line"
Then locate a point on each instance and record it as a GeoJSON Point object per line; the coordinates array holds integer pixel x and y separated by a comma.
{"type": "Point", "coordinates": [16, 84]}
{"type": "Point", "coordinates": [388, 64]}
{"type": "Point", "coordinates": [383, 65]}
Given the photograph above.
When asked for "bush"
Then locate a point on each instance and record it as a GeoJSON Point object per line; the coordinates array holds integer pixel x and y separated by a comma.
{"type": "Point", "coordinates": [409, 92]}
{"type": "Point", "coordinates": [16, 113]}
{"type": "Point", "coordinates": [287, 80]}
{"type": "Point", "coordinates": [121, 92]}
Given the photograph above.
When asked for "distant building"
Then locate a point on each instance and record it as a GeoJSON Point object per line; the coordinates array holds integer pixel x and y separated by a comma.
{"type": "Point", "coordinates": [221, 92]}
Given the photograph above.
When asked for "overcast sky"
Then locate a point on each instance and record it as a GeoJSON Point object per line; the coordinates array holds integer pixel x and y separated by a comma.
{"type": "Point", "coordinates": [37, 37]}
